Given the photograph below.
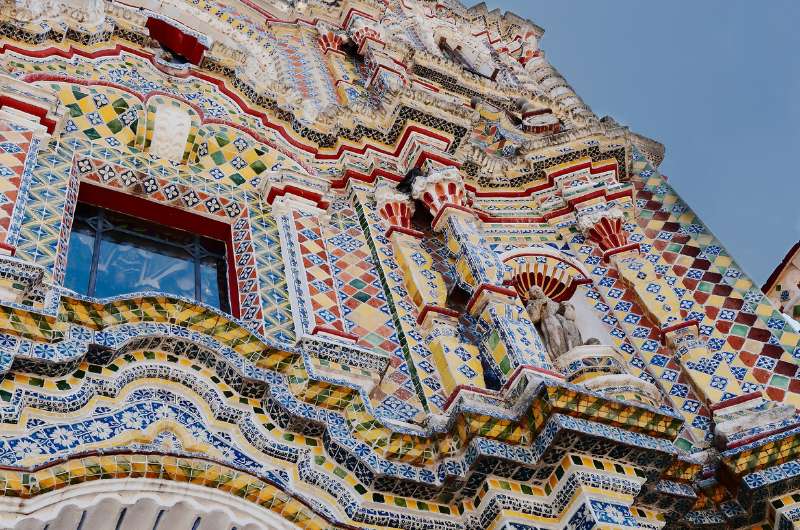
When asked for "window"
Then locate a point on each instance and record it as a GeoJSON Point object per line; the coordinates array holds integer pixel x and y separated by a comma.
{"type": "Point", "coordinates": [112, 254]}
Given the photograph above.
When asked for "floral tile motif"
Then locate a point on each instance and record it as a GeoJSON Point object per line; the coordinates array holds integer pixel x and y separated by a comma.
{"type": "Point", "coordinates": [325, 401]}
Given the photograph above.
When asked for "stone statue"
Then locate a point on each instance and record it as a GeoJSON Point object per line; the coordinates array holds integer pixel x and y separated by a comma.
{"type": "Point", "coordinates": [553, 330]}
{"type": "Point", "coordinates": [544, 312]}
{"type": "Point", "coordinates": [566, 315]}
{"type": "Point", "coordinates": [536, 302]}
{"type": "Point", "coordinates": [555, 321]}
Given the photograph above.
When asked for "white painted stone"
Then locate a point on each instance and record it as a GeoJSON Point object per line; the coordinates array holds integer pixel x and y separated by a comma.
{"type": "Point", "coordinates": [170, 132]}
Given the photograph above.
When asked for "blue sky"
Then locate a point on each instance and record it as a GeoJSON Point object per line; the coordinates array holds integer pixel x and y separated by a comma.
{"type": "Point", "coordinates": [717, 82]}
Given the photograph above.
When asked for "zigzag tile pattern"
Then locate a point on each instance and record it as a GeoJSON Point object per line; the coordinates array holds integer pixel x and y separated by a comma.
{"type": "Point", "coordinates": [387, 181]}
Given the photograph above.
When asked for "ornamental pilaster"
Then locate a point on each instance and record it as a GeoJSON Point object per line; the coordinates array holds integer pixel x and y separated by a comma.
{"type": "Point", "coordinates": [363, 30]}
{"type": "Point", "coordinates": [507, 334]}
{"type": "Point", "coordinates": [331, 42]}
{"type": "Point", "coordinates": [458, 363]}
{"type": "Point", "coordinates": [442, 191]}
{"type": "Point", "coordinates": [384, 69]}
{"type": "Point", "coordinates": [734, 411]}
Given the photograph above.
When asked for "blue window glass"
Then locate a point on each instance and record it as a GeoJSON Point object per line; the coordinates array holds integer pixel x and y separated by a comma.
{"type": "Point", "coordinates": [112, 254]}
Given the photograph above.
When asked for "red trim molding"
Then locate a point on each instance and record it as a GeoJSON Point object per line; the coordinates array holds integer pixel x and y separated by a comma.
{"type": "Point", "coordinates": [28, 108]}
{"type": "Point", "coordinates": [529, 367]}
{"type": "Point", "coordinates": [734, 401]}
{"type": "Point", "coordinates": [333, 331]}
{"type": "Point", "coordinates": [176, 40]}
{"type": "Point", "coordinates": [403, 230]}
{"type": "Point", "coordinates": [316, 198]}
{"type": "Point", "coordinates": [619, 250]}
{"type": "Point", "coordinates": [460, 388]}
{"type": "Point", "coordinates": [676, 327]}
{"type": "Point", "coordinates": [760, 436]}
{"type": "Point", "coordinates": [446, 206]}
{"type": "Point", "coordinates": [489, 287]}
{"type": "Point", "coordinates": [11, 249]}
{"type": "Point", "coordinates": [427, 308]}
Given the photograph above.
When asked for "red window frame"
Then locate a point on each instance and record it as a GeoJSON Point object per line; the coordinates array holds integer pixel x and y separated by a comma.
{"type": "Point", "coordinates": [162, 214]}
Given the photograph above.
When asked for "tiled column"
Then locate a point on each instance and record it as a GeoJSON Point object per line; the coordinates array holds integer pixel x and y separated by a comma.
{"type": "Point", "coordinates": [458, 363]}
{"type": "Point", "coordinates": [331, 44]}
{"type": "Point", "coordinates": [735, 412]}
{"type": "Point", "coordinates": [29, 116]}
{"type": "Point", "coordinates": [507, 333]}
{"type": "Point", "coordinates": [385, 72]}
{"type": "Point", "coordinates": [657, 298]}
{"type": "Point", "coordinates": [300, 208]}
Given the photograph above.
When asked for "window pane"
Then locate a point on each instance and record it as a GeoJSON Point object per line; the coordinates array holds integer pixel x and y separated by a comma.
{"type": "Point", "coordinates": [79, 257]}
{"type": "Point", "coordinates": [129, 264]}
{"type": "Point", "coordinates": [136, 255]}
{"type": "Point", "coordinates": [210, 284]}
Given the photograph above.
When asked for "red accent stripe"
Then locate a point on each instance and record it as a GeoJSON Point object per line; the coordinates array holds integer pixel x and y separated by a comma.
{"type": "Point", "coordinates": [424, 156]}
{"type": "Point", "coordinates": [221, 86]}
{"type": "Point", "coordinates": [364, 177]}
{"type": "Point", "coordinates": [435, 309]}
{"type": "Point", "coordinates": [334, 331]}
{"type": "Point", "coordinates": [489, 287]}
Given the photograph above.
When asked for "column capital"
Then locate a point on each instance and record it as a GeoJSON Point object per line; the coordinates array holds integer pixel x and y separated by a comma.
{"type": "Point", "coordinates": [604, 227]}
{"type": "Point", "coordinates": [397, 208]}
{"type": "Point", "coordinates": [306, 188]}
{"type": "Point", "coordinates": [441, 188]}
{"type": "Point", "coordinates": [330, 41]}
{"type": "Point", "coordinates": [363, 30]}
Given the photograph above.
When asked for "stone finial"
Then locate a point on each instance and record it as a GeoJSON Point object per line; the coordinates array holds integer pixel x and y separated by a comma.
{"type": "Point", "coordinates": [330, 41]}
{"type": "Point", "coordinates": [440, 187]}
{"type": "Point", "coordinates": [604, 227]}
{"type": "Point", "coordinates": [394, 206]}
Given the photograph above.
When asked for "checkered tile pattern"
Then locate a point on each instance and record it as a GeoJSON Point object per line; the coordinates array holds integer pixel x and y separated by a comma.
{"type": "Point", "coordinates": [100, 113]}
{"type": "Point", "coordinates": [228, 155]}
{"type": "Point", "coordinates": [742, 326]}
{"type": "Point", "coordinates": [14, 144]}
{"type": "Point", "coordinates": [361, 294]}
{"type": "Point", "coordinates": [321, 287]}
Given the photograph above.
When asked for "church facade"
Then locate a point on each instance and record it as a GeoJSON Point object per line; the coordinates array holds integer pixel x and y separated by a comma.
{"type": "Point", "coordinates": [360, 264]}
